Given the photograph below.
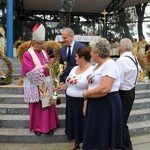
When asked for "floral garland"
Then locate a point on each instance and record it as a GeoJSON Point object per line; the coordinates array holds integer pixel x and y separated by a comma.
{"type": "Point", "coordinates": [143, 63]}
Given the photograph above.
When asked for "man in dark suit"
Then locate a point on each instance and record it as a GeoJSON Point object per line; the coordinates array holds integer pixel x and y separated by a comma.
{"type": "Point", "coordinates": [68, 51]}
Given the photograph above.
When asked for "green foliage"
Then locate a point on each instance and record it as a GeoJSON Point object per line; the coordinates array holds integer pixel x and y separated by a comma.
{"type": "Point", "coordinates": [55, 70]}
{"type": "Point", "coordinates": [5, 81]}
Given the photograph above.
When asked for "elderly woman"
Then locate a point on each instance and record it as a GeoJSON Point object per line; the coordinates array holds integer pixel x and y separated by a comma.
{"type": "Point", "coordinates": [104, 115]}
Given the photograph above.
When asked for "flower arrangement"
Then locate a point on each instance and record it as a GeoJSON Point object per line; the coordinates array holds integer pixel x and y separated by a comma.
{"type": "Point", "coordinates": [57, 69]}
{"type": "Point", "coordinates": [143, 63]}
{"type": "Point", "coordinates": [141, 75]}
{"type": "Point", "coordinates": [148, 62]}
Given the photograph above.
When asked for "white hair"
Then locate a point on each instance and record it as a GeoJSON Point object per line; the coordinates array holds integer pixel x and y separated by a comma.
{"type": "Point", "coordinates": [68, 30]}
{"type": "Point", "coordinates": [126, 44]}
{"type": "Point", "coordinates": [100, 45]}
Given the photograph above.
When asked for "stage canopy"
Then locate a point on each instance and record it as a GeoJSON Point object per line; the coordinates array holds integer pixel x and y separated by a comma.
{"type": "Point", "coordinates": [76, 6]}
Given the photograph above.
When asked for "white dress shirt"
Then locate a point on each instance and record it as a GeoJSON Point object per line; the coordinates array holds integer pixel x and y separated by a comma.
{"type": "Point", "coordinates": [128, 71]}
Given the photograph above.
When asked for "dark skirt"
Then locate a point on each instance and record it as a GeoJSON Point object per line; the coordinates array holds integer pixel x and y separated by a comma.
{"type": "Point", "coordinates": [104, 127]}
{"type": "Point", "coordinates": [74, 119]}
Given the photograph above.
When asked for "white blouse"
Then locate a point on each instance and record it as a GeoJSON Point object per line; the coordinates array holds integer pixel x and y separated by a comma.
{"type": "Point", "coordinates": [77, 82]}
{"type": "Point", "coordinates": [109, 68]}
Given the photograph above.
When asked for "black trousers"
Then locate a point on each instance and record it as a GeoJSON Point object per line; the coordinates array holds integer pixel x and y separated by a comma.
{"type": "Point", "coordinates": [127, 98]}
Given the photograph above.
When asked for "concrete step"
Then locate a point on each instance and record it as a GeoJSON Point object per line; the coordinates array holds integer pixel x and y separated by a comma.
{"type": "Point", "coordinates": [9, 92]}
{"type": "Point", "coordinates": [139, 115]}
{"type": "Point", "coordinates": [142, 86]}
{"type": "Point", "coordinates": [139, 94]}
{"type": "Point", "coordinates": [141, 103]}
{"type": "Point", "coordinates": [13, 105]}
{"type": "Point", "coordinates": [19, 98]}
{"type": "Point", "coordinates": [13, 89]}
{"type": "Point", "coordinates": [14, 64]}
{"type": "Point", "coordinates": [15, 70]}
{"type": "Point", "coordinates": [139, 128]}
{"type": "Point", "coordinates": [17, 89]}
{"type": "Point", "coordinates": [14, 115]}
{"type": "Point", "coordinates": [23, 135]}
{"type": "Point", "coordinates": [140, 142]}
{"type": "Point", "coordinates": [15, 109]}
{"type": "Point", "coordinates": [23, 109]}
{"type": "Point", "coordinates": [21, 121]}
{"type": "Point", "coordinates": [12, 99]}
{"type": "Point", "coordinates": [16, 76]}
{"type": "Point", "coordinates": [18, 117]}
{"type": "Point", "coordinates": [13, 60]}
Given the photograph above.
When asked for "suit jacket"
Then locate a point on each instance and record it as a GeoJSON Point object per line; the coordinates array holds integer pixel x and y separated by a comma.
{"type": "Point", "coordinates": [63, 58]}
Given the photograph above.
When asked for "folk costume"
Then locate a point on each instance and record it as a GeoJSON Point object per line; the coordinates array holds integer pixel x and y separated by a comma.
{"type": "Point", "coordinates": [41, 120]}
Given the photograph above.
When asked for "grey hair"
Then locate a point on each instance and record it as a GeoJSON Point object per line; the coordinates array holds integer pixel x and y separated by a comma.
{"type": "Point", "coordinates": [126, 44]}
{"type": "Point", "coordinates": [68, 30]}
{"type": "Point", "coordinates": [100, 45]}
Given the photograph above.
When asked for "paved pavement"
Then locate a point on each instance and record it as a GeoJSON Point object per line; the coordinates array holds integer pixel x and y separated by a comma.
{"type": "Point", "coordinates": [139, 143]}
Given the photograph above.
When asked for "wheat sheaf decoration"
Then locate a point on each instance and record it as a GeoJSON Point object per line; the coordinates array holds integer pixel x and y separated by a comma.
{"type": "Point", "coordinates": [9, 72]}
{"type": "Point", "coordinates": [53, 50]}
{"type": "Point", "coordinates": [22, 48]}
{"type": "Point", "coordinates": [51, 47]}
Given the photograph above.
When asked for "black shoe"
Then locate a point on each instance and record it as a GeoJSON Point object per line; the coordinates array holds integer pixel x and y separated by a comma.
{"type": "Point", "coordinates": [50, 132]}
{"type": "Point", "coordinates": [37, 133]}
{"type": "Point", "coordinates": [77, 146]}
